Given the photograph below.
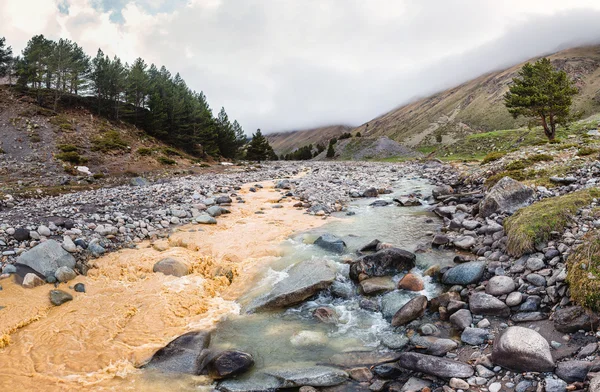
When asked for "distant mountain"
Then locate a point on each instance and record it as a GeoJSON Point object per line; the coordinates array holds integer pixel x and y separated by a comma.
{"type": "Point", "coordinates": [286, 142]}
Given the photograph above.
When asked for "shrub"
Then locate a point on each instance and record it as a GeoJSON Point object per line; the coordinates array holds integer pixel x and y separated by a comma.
{"type": "Point", "coordinates": [540, 158]}
{"type": "Point", "coordinates": [109, 141]}
{"type": "Point", "coordinates": [62, 122]}
{"type": "Point", "coordinates": [67, 147]}
{"type": "Point", "coordinates": [144, 151]}
{"type": "Point", "coordinates": [71, 157]}
{"type": "Point", "coordinates": [516, 165]}
{"type": "Point", "coordinates": [585, 151]}
{"type": "Point", "coordinates": [166, 161]}
{"type": "Point", "coordinates": [170, 151]}
{"type": "Point", "coordinates": [532, 225]}
{"type": "Point", "coordinates": [583, 275]}
{"type": "Point", "coordinates": [35, 138]}
{"type": "Point", "coordinates": [99, 176]}
{"type": "Point", "coordinates": [492, 156]}
{"type": "Point", "coordinates": [2, 151]}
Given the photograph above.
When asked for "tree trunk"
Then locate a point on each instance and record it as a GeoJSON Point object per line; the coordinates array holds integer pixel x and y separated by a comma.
{"type": "Point", "coordinates": [549, 132]}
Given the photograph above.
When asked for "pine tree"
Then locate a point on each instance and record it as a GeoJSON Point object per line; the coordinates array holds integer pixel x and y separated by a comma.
{"type": "Point", "coordinates": [5, 58]}
{"type": "Point", "coordinates": [259, 148]}
{"type": "Point", "coordinates": [542, 93]}
{"type": "Point", "coordinates": [227, 139]}
{"type": "Point", "coordinates": [330, 150]}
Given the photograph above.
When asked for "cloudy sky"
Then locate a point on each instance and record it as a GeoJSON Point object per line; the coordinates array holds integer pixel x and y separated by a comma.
{"type": "Point", "coordinates": [294, 64]}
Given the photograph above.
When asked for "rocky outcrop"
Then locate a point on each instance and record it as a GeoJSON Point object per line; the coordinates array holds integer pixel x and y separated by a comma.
{"type": "Point", "coordinates": [331, 243]}
{"type": "Point", "coordinates": [186, 354]}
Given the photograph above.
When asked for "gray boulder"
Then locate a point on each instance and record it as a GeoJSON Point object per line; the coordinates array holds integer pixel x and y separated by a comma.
{"type": "Point", "coordinates": [500, 285]}
{"type": "Point", "coordinates": [435, 366]}
{"type": "Point", "coordinates": [572, 371]}
{"type": "Point", "coordinates": [523, 350]}
{"type": "Point", "coordinates": [461, 319]}
{"type": "Point", "coordinates": [464, 274]}
{"type": "Point", "coordinates": [595, 384]}
{"type": "Point", "coordinates": [169, 266]}
{"type": "Point", "coordinates": [294, 376]}
{"type": "Point", "coordinates": [331, 243]}
{"type": "Point", "coordinates": [485, 304]}
{"type": "Point", "coordinates": [229, 363]}
{"type": "Point", "coordinates": [388, 261]}
{"type": "Point", "coordinates": [205, 219]}
{"type": "Point", "coordinates": [258, 382]}
{"type": "Point", "coordinates": [46, 258]}
{"type": "Point", "coordinates": [304, 280]}
{"type": "Point", "coordinates": [573, 318]}
{"type": "Point", "coordinates": [64, 274]}
{"type": "Point", "coordinates": [185, 354]}
{"type": "Point", "coordinates": [432, 345]}
{"type": "Point", "coordinates": [507, 195]}
{"type": "Point", "coordinates": [474, 336]}
{"type": "Point", "coordinates": [59, 297]}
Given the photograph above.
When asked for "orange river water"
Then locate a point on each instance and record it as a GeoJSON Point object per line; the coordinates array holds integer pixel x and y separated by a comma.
{"type": "Point", "coordinates": [97, 341]}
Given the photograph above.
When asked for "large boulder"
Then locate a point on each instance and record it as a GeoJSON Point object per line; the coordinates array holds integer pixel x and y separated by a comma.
{"type": "Point", "coordinates": [294, 376]}
{"type": "Point", "coordinates": [412, 310]}
{"type": "Point", "coordinates": [464, 274]}
{"type": "Point", "coordinates": [507, 195]}
{"type": "Point", "coordinates": [46, 258]}
{"type": "Point", "coordinates": [573, 318]}
{"type": "Point", "coordinates": [487, 305]}
{"type": "Point", "coordinates": [304, 280]}
{"type": "Point", "coordinates": [384, 262]}
{"type": "Point", "coordinates": [523, 350]}
{"type": "Point", "coordinates": [169, 266]}
{"type": "Point", "coordinates": [500, 285]}
{"type": "Point", "coordinates": [331, 243]}
{"type": "Point", "coordinates": [595, 384]}
{"type": "Point", "coordinates": [186, 354]}
{"type": "Point", "coordinates": [435, 366]}
{"type": "Point", "coordinates": [229, 363]}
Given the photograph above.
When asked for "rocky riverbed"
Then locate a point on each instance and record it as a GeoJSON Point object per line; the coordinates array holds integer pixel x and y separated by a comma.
{"type": "Point", "coordinates": [497, 318]}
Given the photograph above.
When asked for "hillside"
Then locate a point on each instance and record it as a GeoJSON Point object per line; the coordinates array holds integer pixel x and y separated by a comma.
{"type": "Point", "coordinates": [285, 142]}
{"type": "Point", "coordinates": [477, 106]}
{"type": "Point", "coordinates": [367, 148]}
{"type": "Point", "coordinates": [40, 148]}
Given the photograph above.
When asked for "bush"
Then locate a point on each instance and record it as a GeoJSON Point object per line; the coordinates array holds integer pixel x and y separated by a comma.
{"type": "Point", "coordinates": [67, 147]}
{"type": "Point", "coordinates": [583, 275]}
{"type": "Point", "coordinates": [492, 156]}
{"type": "Point", "coordinates": [540, 158]}
{"type": "Point", "coordinates": [109, 141]}
{"type": "Point", "coordinates": [166, 161]}
{"type": "Point", "coordinates": [144, 151]}
{"type": "Point", "coordinates": [62, 122]}
{"type": "Point", "coordinates": [71, 157]}
{"type": "Point", "coordinates": [346, 135]}
{"type": "Point", "coordinates": [99, 176]}
{"type": "Point", "coordinates": [516, 165]}
{"type": "Point", "coordinates": [532, 225]}
{"type": "Point", "coordinates": [170, 151]}
{"type": "Point", "coordinates": [585, 151]}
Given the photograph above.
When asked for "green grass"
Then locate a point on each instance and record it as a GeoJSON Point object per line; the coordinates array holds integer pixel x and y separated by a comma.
{"type": "Point", "coordinates": [532, 225]}
{"type": "Point", "coordinates": [583, 276]}
{"type": "Point", "coordinates": [67, 147]}
{"type": "Point", "coordinates": [585, 151]}
{"type": "Point", "coordinates": [492, 156]}
{"type": "Point", "coordinates": [71, 157]}
{"type": "Point", "coordinates": [166, 161]}
{"type": "Point", "coordinates": [109, 141]}
{"type": "Point", "coordinates": [62, 122]}
{"type": "Point", "coordinates": [171, 152]}
{"type": "Point", "coordinates": [144, 151]}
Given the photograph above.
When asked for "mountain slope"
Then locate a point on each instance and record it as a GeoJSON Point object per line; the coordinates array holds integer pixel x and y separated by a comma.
{"type": "Point", "coordinates": [286, 142]}
{"type": "Point", "coordinates": [478, 106]}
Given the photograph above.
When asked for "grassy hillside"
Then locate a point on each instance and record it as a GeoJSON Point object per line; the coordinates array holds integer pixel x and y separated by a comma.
{"type": "Point", "coordinates": [477, 106]}
{"type": "Point", "coordinates": [286, 142]}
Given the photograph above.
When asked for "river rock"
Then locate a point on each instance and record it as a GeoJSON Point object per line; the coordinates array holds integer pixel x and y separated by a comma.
{"type": "Point", "coordinates": [485, 304]}
{"type": "Point", "coordinates": [384, 262]}
{"type": "Point", "coordinates": [377, 285]}
{"type": "Point", "coordinates": [370, 192]}
{"type": "Point", "coordinates": [554, 385]}
{"type": "Point", "coordinates": [461, 319]}
{"type": "Point", "coordinates": [572, 371]}
{"type": "Point", "coordinates": [59, 297]}
{"type": "Point", "coordinates": [411, 282]}
{"type": "Point", "coordinates": [507, 196]}
{"type": "Point", "coordinates": [331, 243]}
{"type": "Point", "coordinates": [412, 310]}
{"type": "Point", "coordinates": [515, 298]}
{"type": "Point", "coordinates": [435, 366]}
{"type": "Point", "coordinates": [46, 258]}
{"type": "Point", "coordinates": [500, 285]}
{"type": "Point", "coordinates": [464, 274]}
{"type": "Point", "coordinates": [31, 280]}
{"type": "Point", "coordinates": [474, 336]}
{"type": "Point", "coordinates": [433, 345]}
{"type": "Point", "coordinates": [229, 363]}
{"type": "Point", "coordinates": [294, 376]}
{"type": "Point", "coordinates": [326, 315]}
{"type": "Point", "coordinates": [205, 219]}
{"type": "Point", "coordinates": [258, 382]}
{"type": "Point", "coordinates": [21, 234]}
{"type": "Point", "coordinates": [304, 280]}
{"type": "Point", "coordinates": [595, 384]}
{"type": "Point", "coordinates": [573, 318]}
{"type": "Point", "coordinates": [223, 200]}
{"type": "Point", "coordinates": [523, 350]}
{"type": "Point", "coordinates": [64, 274]}
{"type": "Point", "coordinates": [185, 354]}
{"type": "Point", "coordinates": [169, 266]}
{"type": "Point", "coordinates": [464, 242]}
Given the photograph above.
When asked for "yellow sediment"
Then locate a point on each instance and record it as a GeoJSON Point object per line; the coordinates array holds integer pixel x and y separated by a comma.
{"type": "Point", "coordinates": [97, 341]}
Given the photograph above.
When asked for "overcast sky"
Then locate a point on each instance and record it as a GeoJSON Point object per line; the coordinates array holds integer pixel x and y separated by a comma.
{"type": "Point", "coordinates": [294, 64]}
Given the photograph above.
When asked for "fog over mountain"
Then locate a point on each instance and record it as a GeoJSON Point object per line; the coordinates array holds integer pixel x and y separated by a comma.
{"type": "Point", "coordinates": [286, 65]}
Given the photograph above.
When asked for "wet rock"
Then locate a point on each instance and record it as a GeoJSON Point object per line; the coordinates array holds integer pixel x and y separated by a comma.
{"type": "Point", "coordinates": [64, 274]}
{"type": "Point", "coordinates": [500, 285]}
{"type": "Point", "coordinates": [370, 192]}
{"type": "Point", "coordinates": [440, 239]}
{"type": "Point", "coordinates": [31, 280]}
{"type": "Point", "coordinates": [412, 310]}
{"type": "Point", "coordinates": [205, 219]}
{"type": "Point", "coordinates": [464, 242]}
{"type": "Point", "coordinates": [485, 304]}
{"type": "Point", "coordinates": [304, 280]}
{"type": "Point", "coordinates": [377, 285]}
{"type": "Point", "coordinates": [464, 274]}
{"type": "Point", "coordinates": [444, 300]}
{"type": "Point", "coordinates": [259, 382]}
{"type": "Point", "coordinates": [461, 319]}
{"type": "Point", "coordinates": [522, 349]}
{"type": "Point", "coordinates": [411, 282]}
{"type": "Point", "coordinates": [394, 341]}
{"type": "Point", "coordinates": [294, 376]}
{"type": "Point", "coordinates": [59, 297]}
{"type": "Point", "coordinates": [361, 374]}
{"type": "Point", "coordinates": [573, 318]}
{"type": "Point", "coordinates": [229, 363]}
{"type": "Point", "coordinates": [169, 266]}
{"type": "Point", "coordinates": [507, 195]}
{"type": "Point", "coordinates": [380, 203]}
{"type": "Point", "coordinates": [474, 336]}
{"type": "Point", "coordinates": [442, 190]}
{"type": "Point", "coordinates": [79, 287]}
{"type": "Point", "coordinates": [384, 262]}
{"type": "Point", "coordinates": [362, 358]}
{"type": "Point", "coordinates": [433, 345]}
{"type": "Point", "coordinates": [21, 234]}
{"type": "Point", "coordinates": [435, 366]}
{"type": "Point", "coordinates": [46, 258]}
{"type": "Point", "coordinates": [326, 315]}
{"type": "Point", "coordinates": [185, 354]}
{"type": "Point", "coordinates": [331, 243]}
{"type": "Point", "coordinates": [308, 339]}
{"type": "Point", "coordinates": [574, 370]}
{"type": "Point", "coordinates": [370, 247]}
{"type": "Point", "coordinates": [223, 200]}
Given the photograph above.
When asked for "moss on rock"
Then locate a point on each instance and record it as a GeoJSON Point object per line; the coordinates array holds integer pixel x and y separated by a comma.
{"type": "Point", "coordinates": [583, 275]}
